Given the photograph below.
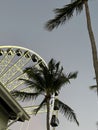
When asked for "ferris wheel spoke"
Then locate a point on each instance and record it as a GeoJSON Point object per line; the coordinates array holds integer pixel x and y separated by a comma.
{"type": "Point", "coordinates": [5, 61]}
{"type": "Point", "coordinates": [30, 110]}
{"type": "Point", "coordinates": [15, 68]}
{"type": "Point", "coordinates": [13, 84]}
{"type": "Point", "coordinates": [27, 89]}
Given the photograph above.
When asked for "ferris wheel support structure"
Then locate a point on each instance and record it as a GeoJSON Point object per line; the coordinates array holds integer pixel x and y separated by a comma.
{"type": "Point", "coordinates": [13, 60]}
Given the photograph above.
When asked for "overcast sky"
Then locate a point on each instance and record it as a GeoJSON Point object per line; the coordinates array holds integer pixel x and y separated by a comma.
{"type": "Point", "coordinates": [22, 24]}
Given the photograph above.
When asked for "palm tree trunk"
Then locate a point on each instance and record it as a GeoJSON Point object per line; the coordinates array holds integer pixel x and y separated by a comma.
{"type": "Point", "coordinates": [48, 114]}
{"type": "Point", "coordinates": [92, 40]}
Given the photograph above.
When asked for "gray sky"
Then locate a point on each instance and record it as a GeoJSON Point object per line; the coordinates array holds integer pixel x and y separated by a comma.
{"type": "Point", "coordinates": [22, 24]}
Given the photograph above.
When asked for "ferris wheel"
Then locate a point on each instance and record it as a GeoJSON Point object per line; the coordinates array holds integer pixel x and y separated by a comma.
{"type": "Point", "coordinates": [13, 60]}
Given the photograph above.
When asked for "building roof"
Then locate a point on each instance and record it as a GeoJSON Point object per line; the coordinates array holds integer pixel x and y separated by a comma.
{"type": "Point", "coordinates": [13, 108]}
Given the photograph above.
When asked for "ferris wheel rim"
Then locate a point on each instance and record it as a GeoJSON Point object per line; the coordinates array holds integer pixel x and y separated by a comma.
{"type": "Point", "coordinates": [23, 48]}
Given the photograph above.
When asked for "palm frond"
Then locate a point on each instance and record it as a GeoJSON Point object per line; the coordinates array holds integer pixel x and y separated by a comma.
{"type": "Point", "coordinates": [61, 80]}
{"type": "Point", "coordinates": [93, 87]}
{"type": "Point", "coordinates": [51, 65]}
{"type": "Point", "coordinates": [67, 111]}
{"type": "Point", "coordinates": [57, 67]}
{"type": "Point", "coordinates": [64, 14]}
{"type": "Point", "coordinates": [25, 95]}
{"type": "Point", "coordinates": [58, 83]}
{"type": "Point", "coordinates": [33, 85]}
{"type": "Point", "coordinates": [28, 82]}
{"type": "Point", "coordinates": [42, 104]}
{"type": "Point", "coordinates": [36, 79]}
{"type": "Point", "coordinates": [72, 75]}
{"type": "Point", "coordinates": [32, 72]}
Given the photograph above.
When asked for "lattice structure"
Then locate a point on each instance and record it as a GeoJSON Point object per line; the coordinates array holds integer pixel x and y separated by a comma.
{"type": "Point", "coordinates": [13, 60]}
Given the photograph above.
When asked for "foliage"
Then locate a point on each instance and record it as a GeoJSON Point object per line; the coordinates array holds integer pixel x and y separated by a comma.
{"type": "Point", "coordinates": [47, 81]}
{"type": "Point", "coordinates": [64, 14]}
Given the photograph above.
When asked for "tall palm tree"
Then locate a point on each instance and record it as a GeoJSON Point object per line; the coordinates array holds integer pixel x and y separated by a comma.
{"type": "Point", "coordinates": [47, 81]}
{"type": "Point", "coordinates": [64, 14]}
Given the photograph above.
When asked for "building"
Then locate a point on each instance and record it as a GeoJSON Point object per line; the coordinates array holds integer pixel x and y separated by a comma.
{"type": "Point", "coordinates": [10, 109]}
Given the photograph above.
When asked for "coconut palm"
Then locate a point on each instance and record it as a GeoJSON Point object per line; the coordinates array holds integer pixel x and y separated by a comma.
{"type": "Point", "coordinates": [46, 82]}
{"type": "Point", "coordinates": [64, 14]}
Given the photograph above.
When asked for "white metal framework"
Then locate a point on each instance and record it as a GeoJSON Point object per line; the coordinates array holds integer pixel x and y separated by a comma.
{"type": "Point", "coordinates": [13, 60]}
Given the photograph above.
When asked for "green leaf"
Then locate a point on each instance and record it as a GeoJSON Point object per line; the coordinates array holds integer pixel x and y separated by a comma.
{"type": "Point", "coordinates": [67, 111]}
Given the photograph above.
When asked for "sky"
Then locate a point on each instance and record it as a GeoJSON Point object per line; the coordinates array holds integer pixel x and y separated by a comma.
{"type": "Point", "coordinates": [22, 23]}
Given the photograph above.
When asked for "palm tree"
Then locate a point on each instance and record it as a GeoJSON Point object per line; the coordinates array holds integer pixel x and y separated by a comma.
{"type": "Point", "coordinates": [47, 81]}
{"type": "Point", "coordinates": [66, 13]}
